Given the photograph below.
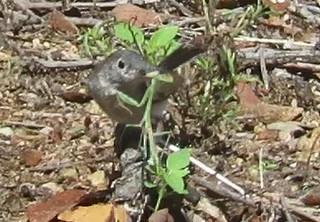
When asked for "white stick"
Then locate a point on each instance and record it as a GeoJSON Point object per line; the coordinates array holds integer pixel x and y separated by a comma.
{"type": "Point", "coordinates": [274, 41]}
{"type": "Point", "coordinates": [211, 171]}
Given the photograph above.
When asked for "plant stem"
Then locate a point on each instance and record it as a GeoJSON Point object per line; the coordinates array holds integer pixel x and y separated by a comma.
{"type": "Point", "coordinates": [161, 192]}
{"type": "Point", "coordinates": [148, 125]}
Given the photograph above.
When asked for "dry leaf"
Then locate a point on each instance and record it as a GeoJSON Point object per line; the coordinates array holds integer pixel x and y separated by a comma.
{"type": "Point", "coordinates": [57, 133]}
{"type": "Point", "coordinates": [214, 212]}
{"type": "Point", "coordinates": [31, 157]}
{"type": "Point", "coordinates": [309, 146]}
{"type": "Point", "coordinates": [75, 96]}
{"type": "Point", "coordinates": [60, 22]}
{"type": "Point", "coordinates": [267, 134]}
{"type": "Point", "coordinates": [98, 179]}
{"type": "Point", "coordinates": [244, 44]}
{"type": "Point", "coordinates": [275, 21]}
{"type": "Point", "coordinates": [96, 213]}
{"type": "Point", "coordinates": [138, 16]}
{"type": "Point", "coordinates": [46, 211]}
{"type": "Point", "coordinates": [317, 74]}
{"type": "Point", "coordinates": [4, 56]}
{"type": "Point", "coordinates": [161, 216]}
{"type": "Point", "coordinates": [312, 198]}
{"type": "Point", "coordinates": [279, 5]}
{"type": "Point", "coordinates": [250, 104]}
{"type": "Point", "coordinates": [246, 94]}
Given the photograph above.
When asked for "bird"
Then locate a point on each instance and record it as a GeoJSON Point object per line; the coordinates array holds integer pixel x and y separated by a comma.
{"type": "Point", "coordinates": [126, 71]}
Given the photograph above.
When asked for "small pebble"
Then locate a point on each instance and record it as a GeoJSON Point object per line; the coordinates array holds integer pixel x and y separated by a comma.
{"type": "Point", "coordinates": [46, 45]}
{"type": "Point", "coordinates": [53, 187]}
{"type": "Point", "coordinates": [98, 179]}
{"type": "Point", "coordinates": [27, 45]}
{"type": "Point", "coordinates": [36, 43]}
{"type": "Point", "coordinates": [6, 131]}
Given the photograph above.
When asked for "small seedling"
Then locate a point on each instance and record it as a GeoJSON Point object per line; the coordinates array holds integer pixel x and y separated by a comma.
{"type": "Point", "coordinates": [161, 43]}
{"type": "Point", "coordinates": [249, 16]}
{"type": "Point", "coordinates": [219, 79]}
{"type": "Point", "coordinates": [95, 42]}
{"type": "Point", "coordinates": [172, 175]}
{"type": "Point", "coordinates": [267, 165]}
{"type": "Point", "coordinates": [129, 35]}
{"type": "Point", "coordinates": [177, 168]}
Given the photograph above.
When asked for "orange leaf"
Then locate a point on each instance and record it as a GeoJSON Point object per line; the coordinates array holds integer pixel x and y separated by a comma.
{"type": "Point", "coordinates": [46, 211]}
{"type": "Point", "coordinates": [96, 213]}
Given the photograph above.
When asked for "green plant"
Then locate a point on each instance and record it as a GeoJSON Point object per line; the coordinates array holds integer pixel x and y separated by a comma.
{"type": "Point", "coordinates": [171, 175]}
{"type": "Point", "coordinates": [176, 166]}
{"type": "Point", "coordinates": [251, 14]}
{"type": "Point", "coordinates": [99, 40]}
{"type": "Point", "coordinates": [219, 78]}
{"type": "Point", "coordinates": [129, 34]}
{"type": "Point", "coordinates": [12, 66]}
{"type": "Point", "coordinates": [267, 165]}
{"type": "Point", "coordinates": [161, 43]}
{"type": "Point", "coordinates": [176, 169]}
{"type": "Point", "coordinates": [217, 89]}
{"type": "Point", "coordinates": [94, 41]}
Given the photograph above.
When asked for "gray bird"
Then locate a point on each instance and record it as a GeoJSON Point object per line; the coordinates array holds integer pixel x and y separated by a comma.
{"type": "Point", "coordinates": [125, 71]}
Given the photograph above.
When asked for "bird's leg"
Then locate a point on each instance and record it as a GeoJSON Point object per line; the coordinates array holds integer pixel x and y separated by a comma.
{"type": "Point", "coordinates": [126, 137]}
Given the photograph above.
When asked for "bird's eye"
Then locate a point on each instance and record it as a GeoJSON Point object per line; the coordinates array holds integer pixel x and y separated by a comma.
{"type": "Point", "coordinates": [121, 64]}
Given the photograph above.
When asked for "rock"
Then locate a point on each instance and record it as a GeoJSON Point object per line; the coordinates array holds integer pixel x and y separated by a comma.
{"type": "Point", "coordinates": [6, 132]}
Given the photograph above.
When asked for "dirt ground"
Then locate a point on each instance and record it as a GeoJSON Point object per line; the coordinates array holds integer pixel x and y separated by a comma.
{"type": "Point", "coordinates": [264, 138]}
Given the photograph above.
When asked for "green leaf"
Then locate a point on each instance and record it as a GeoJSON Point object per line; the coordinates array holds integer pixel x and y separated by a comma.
{"type": "Point", "coordinates": [173, 46]}
{"type": "Point", "coordinates": [127, 99]}
{"type": "Point", "coordinates": [269, 165]}
{"type": "Point", "coordinates": [127, 33]}
{"type": "Point", "coordinates": [165, 78]}
{"type": "Point", "coordinates": [138, 34]}
{"type": "Point", "coordinates": [162, 37]}
{"type": "Point", "coordinates": [152, 74]}
{"type": "Point", "coordinates": [149, 184]}
{"type": "Point", "coordinates": [160, 77]}
{"type": "Point", "coordinates": [175, 182]}
{"type": "Point", "coordinates": [122, 31]}
{"type": "Point", "coordinates": [178, 160]}
{"type": "Point", "coordinates": [181, 173]}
